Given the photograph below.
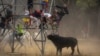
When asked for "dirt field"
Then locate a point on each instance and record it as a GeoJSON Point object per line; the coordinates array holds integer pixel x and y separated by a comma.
{"type": "Point", "coordinates": [70, 26]}
{"type": "Point", "coordinates": [88, 47]}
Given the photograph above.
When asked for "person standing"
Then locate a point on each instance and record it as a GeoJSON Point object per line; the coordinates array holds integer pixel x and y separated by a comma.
{"type": "Point", "coordinates": [45, 5]}
{"type": "Point", "coordinates": [6, 20]}
{"type": "Point", "coordinates": [29, 4]}
{"type": "Point", "coordinates": [9, 16]}
{"type": "Point", "coordinates": [2, 24]}
{"type": "Point", "coordinates": [19, 33]}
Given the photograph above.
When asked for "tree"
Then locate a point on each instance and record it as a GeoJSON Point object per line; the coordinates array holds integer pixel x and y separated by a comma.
{"type": "Point", "coordinates": [87, 3]}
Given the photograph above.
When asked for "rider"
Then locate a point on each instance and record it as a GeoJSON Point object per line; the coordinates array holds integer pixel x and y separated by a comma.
{"type": "Point", "coordinates": [59, 14]}
{"type": "Point", "coordinates": [27, 19]}
{"type": "Point", "coordinates": [48, 16]}
{"type": "Point", "coordinates": [19, 32]}
{"type": "Point", "coordinates": [9, 16]}
{"type": "Point", "coordinates": [45, 5]}
{"type": "Point", "coordinates": [2, 24]}
{"type": "Point", "coordinates": [55, 16]}
{"type": "Point", "coordinates": [5, 21]}
{"type": "Point", "coordinates": [45, 18]}
{"type": "Point", "coordinates": [63, 8]}
{"type": "Point", "coordinates": [29, 4]}
{"type": "Point", "coordinates": [43, 22]}
{"type": "Point", "coordinates": [9, 13]}
{"type": "Point", "coordinates": [36, 15]}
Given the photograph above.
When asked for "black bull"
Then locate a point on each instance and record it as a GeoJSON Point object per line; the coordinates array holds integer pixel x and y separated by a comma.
{"type": "Point", "coordinates": [61, 42]}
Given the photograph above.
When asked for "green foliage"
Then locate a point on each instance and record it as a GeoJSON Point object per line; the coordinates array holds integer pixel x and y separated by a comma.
{"type": "Point", "coordinates": [86, 3]}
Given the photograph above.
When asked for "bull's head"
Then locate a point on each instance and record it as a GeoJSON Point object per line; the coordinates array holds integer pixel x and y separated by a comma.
{"type": "Point", "coordinates": [52, 36]}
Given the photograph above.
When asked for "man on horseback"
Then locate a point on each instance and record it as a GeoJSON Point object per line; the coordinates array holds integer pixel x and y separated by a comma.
{"type": "Point", "coordinates": [2, 23]}
{"type": "Point", "coordinates": [63, 11]}
{"type": "Point", "coordinates": [29, 4]}
{"type": "Point", "coordinates": [45, 5]}
{"type": "Point", "coordinates": [5, 21]}
{"type": "Point", "coordinates": [19, 32]}
{"type": "Point", "coordinates": [36, 15]}
{"type": "Point", "coordinates": [59, 12]}
{"type": "Point", "coordinates": [45, 18]}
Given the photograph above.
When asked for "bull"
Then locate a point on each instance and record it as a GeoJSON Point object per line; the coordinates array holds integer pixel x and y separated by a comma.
{"type": "Point", "coordinates": [61, 42]}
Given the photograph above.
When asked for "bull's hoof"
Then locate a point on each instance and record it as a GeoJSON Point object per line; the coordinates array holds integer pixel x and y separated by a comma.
{"type": "Point", "coordinates": [71, 54]}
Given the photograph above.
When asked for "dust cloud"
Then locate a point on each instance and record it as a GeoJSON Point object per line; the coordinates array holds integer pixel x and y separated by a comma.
{"type": "Point", "coordinates": [87, 47]}
{"type": "Point", "coordinates": [81, 24]}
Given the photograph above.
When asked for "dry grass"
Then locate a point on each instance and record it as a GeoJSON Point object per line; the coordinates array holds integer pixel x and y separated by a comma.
{"type": "Point", "coordinates": [88, 47]}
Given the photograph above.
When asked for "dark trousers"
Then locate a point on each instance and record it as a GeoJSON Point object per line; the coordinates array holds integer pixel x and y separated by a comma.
{"type": "Point", "coordinates": [18, 36]}
{"type": "Point", "coordinates": [4, 27]}
{"type": "Point", "coordinates": [29, 4]}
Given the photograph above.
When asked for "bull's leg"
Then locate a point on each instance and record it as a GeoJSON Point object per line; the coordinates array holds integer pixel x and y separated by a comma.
{"type": "Point", "coordinates": [72, 48]}
{"type": "Point", "coordinates": [60, 51]}
{"type": "Point", "coordinates": [57, 51]}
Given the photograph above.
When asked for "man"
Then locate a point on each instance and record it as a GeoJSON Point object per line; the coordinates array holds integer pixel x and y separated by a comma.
{"type": "Point", "coordinates": [5, 21]}
{"type": "Point", "coordinates": [45, 5]}
{"type": "Point", "coordinates": [63, 8]}
{"type": "Point", "coordinates": [2, 24]}
{"type": "Point", "coordinates": [58, 13]}
{"type": "Point", "coordinates": [43, 23]}
{"type": "Point", "coordinates": [36, 15]}
{"type": "Point", "coordinates": [62, 12]}
{"type": "Point", "coordinates": [9, 16]}
{"type": "Point", "coordinates": [29, 4]}
{"type": "Point", "coordinates": [19, 32]}
{"type": "Point", "coordinates": [9, 13]}
{"type": "Point", "coordinates": [46, 17]}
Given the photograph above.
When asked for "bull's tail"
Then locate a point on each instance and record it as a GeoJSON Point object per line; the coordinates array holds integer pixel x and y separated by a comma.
{"type": "Point", "coordinates": [78, 49]}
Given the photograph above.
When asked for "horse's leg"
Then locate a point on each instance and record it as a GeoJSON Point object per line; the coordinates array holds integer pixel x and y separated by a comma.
{"type": "Point", "coordinates": [30, 39]}
{"type": "Point", "coordinates": [4, 41]}
{"type": "Point", "coordinates": [21, 44]}
{"type": "Point", "coordinates": [7, 31]}
{"type": "Point", "coordinates": [16, 46]}
{"type": "Point", "coordinates": [0, 30]}
{"type": "Point", "coordinates": [3, 31]}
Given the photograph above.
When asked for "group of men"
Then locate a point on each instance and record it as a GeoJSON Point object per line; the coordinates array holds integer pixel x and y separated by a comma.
{"type": "Point", "coordinates": [40, 16]}
{"type": "Point", "coordinates": [43, 16]}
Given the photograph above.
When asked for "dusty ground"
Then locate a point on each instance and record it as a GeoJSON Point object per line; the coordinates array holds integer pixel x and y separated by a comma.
{"type": "Point", "coordinates": [88, 47]}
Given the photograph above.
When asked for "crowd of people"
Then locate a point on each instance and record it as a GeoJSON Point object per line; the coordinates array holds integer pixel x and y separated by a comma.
{"type": "Point", "coordinates": [40, 16]}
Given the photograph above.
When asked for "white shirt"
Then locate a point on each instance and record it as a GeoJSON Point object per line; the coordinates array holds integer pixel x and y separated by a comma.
{"type": "Point", "coordinates": [47, 14]}
{"type": "Point", "coordinates": [26, 12]}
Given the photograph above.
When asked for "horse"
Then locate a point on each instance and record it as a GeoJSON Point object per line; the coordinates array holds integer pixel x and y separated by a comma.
{"type": "Point", "coordinates": [10, 39]}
